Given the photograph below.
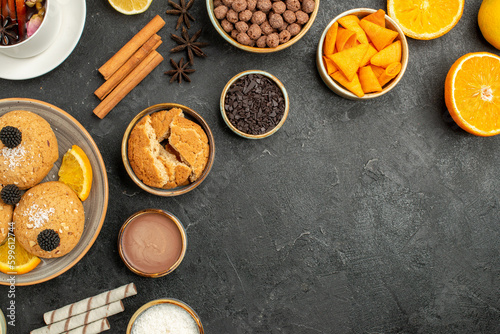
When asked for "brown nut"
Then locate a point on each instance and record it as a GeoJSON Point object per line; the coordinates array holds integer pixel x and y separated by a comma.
{"type": "Point", "coordinates": [289, 16]}
{"type": "Point", "coordinates": [232, 16]}
{"type": "Point", "coordinates": [228, 3]}
{"type": "Point", "coordinates": [220, 12]}
{"type": "Point", "coordinates": [258, 17]}
{"type": "Point", "coordinates": [234, 33]}
{"type": "Point", "coordinates": [273, 40]}
{"type": "Point", "coordinates": [261, 42]}
{"type": "Point", "coordinates": [239, 5]}
{"type": "Point", "coordinates": [283, 27]}
{"type": "Point", "coordinates": [227, 26]}
{"type": "Point", "coordinates": [276, 21]}
{"type": "Point", "coordinates": [308, 6]}
{"type": "Point", "coordinates": [217, 3]}
{"type": "Point", "coordinates": [279, 7]}
{"type": "Point", "coordinates": [251, 4]}
{"type": "Point", "coordinates": [264, 5]}
{"type": "Point", "coordinates": [245, 15]}
{"type": "Point", "coordinates": [243, 38]}
{"type": "Point", "coordinates": [294, 29]}
{"type": "Point", "coordinates": [284, 36]}
{"type": "Point", "coordinates": [241, 26]}
{"type": "Point", "coordinates": [254, 32]}
{"type": "Point", "coordinates": [293, 5]}
{"type": "Point", "coordinates": [266, 28]}
{"type": "Point", "coordinates": [302, 17]}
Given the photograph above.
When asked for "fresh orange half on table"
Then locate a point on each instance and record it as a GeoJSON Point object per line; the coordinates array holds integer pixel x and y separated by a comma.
{"type": "Point", "coordinates": [76, 172]}
{"type": "Point", "coordinates": [23, 261]}
{"type": "Point", "coordinates": [130, 7]}
{"type": "Point", "coordinates": [472, 93]}
{"type": "Point", "coordinates": [425, 19]}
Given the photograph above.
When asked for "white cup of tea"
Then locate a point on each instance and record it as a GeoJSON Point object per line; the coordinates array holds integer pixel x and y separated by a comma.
{"type": "Point", "coordinates": [43, 37]}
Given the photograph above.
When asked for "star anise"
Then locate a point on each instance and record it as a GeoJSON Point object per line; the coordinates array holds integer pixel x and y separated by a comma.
{"type": "Point", "coordinates": [181, 10]}
{"type": "Point", "coordinates": [8, 30]}
{"type": "Point", "coordinates": [190, 44]}
{"type": "Point", "coordinates": [180, 71]}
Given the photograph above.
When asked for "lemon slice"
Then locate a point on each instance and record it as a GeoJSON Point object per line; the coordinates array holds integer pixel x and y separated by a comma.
{"type": "Point", "coordinates": [76, 172]}
{"type": "Point", "coordinates": [20, 261]}
{"type": "Point", "coordinates": [130, 7]}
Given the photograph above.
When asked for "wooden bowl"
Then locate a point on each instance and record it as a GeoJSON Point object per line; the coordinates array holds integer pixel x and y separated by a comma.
{"type": "Point", "coordinates": [166, 271]}
{"type": "Point", "coordinates": [226, 119]}
{"type": "Point", "coordinates": [228, 38]}
{"type": "Point", "coordinates": [172, 301]}
{"type": "Point", "coordinates": [194, 116]}
{"type": "Point", "coordinates": [339, 89]}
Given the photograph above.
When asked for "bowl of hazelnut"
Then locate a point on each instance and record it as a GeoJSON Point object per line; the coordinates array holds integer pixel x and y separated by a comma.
{"type": "Point", "coordinates": [262, 26]}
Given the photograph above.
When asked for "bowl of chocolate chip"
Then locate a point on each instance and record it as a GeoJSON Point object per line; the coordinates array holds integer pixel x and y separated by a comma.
{"type": "Point", "coordinates": [254, 104]}
{"type": "Point", "coordinates": [262, 26]}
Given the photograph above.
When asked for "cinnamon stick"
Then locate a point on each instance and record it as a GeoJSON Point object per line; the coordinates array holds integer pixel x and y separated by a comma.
{"type": "Point", "coordinates": [115, 62]}
{"type": "Point", "coordinates": [12, 9]}
{"type": "Point", "coordinates": [130, 81]}
{"type": "Point", "coordinates": [126, 68]}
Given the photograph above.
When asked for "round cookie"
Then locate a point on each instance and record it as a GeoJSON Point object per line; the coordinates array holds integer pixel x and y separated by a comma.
{"type": "Point", "coordinates": [5, 218]}
{"type": "Point", "coordinates": [28, 163]}
{"type": "Point", "coordinates": [49, 206]}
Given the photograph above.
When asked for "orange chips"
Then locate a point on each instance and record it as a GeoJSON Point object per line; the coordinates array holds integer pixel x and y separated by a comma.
{"type": "Point", "coordinates": [380, 37]}
{"type": "Point", "coordinates": [330, 39]}
{"type": "Point", "coordinates": [345, 39]}
{"type": "Point", "coordinates": [351, 22]}
{"type": "Point", "coordinates": [364, 55]}
{"type": "Point", "coordinates": [348, 60]}
{"type": "Point", "coordinates": [378, 18]}
{"type": "Point", "coordinates": [389, 55]}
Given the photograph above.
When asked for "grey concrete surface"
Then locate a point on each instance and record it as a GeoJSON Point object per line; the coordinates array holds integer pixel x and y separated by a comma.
{"type": "Point", "coordinates": [356, 217]}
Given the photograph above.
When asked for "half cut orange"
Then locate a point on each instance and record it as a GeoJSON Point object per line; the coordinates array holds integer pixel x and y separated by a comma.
{"type": "Point", "coordinates": [425, 19]}
{"type": "Point", "coordinates": [472, 93]}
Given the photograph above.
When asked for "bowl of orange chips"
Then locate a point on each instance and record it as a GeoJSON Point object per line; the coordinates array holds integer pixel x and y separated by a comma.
{"type": "Point", "coordinates": [362, 54]}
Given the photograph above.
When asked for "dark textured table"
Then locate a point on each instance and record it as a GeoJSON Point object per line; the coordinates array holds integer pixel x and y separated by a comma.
{"type": "Point", "coordinates": [355, 217]}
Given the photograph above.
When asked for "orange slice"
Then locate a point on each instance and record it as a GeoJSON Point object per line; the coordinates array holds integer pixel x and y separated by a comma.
{"type": "Point", "coordinates": [76, 172]}
{"type": "Point", "coordinates": [425, 19]}
{"type": "Point", "coordinates": [130, 7]}
{"type": "Point", "coordinates": [472, 93]}
{"type": "Point", "coordinates": [20, 261]}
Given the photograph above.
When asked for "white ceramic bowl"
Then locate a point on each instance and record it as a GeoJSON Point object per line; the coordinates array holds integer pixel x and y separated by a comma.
{"type": "Point", "coordinates": [339, 89]}
{"type": "Point", "coordinates": [42, 38]}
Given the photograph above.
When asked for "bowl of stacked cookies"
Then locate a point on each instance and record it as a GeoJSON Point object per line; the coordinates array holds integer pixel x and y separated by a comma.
{"type": "Point", "coordinates": [168, 149]}
{"type": "Point", "coordinates": [262, 26]}
{"type": "Point", "coordinates": [53, 191]}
